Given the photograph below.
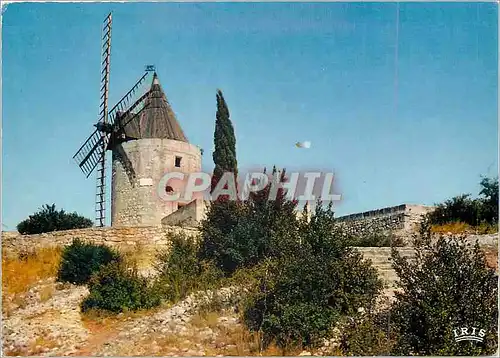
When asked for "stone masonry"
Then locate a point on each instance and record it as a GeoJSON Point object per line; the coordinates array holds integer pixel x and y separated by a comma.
{"type": "Point", "coordinates": [400, 220]}
{"type": "Point", "coordinates": [138, 200]}
{"type": "Point", "coordinates": [147, 238]}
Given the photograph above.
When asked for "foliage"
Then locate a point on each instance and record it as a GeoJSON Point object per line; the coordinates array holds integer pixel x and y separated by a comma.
{"type": "Point", "coordinates": [239, 234]}
{"type": "Point", "coordinates": [489, 200]}
{"type": "Point", "coordinates": [118, 288]}
{"type": "Point", "coordinates": [470, 211]}
{"type": "Point", "coordinates": [48, 219]}
{"type": "Point", "coordinates": [447, 286]}
{"type": "Point", "coordinates": [377, 240]}
{"type": "Point", "coordinates": [316, 280]}
{"type": "Point", "coordinates": [224, 155]}
{"type": "Point", "coordinates": [218, 242]}
{"type": "Point", "coordinates": [80, 260]}
{"type": "Point", "coordinates": [366, 335]}
{"type": "Point", "coordinates": [180, 271]}
{"type": "Point", "coordinates": [460, 208]}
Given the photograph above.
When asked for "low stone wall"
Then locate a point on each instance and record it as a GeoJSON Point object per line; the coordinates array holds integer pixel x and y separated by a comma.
{"type": "Point", "coordinates": [148, 238]}
{"type": "Point", "coordinates": [401, 220]}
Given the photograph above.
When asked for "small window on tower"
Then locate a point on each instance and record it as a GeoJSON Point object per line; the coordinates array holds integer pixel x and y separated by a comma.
{"type": "Point", "coordinates": [178, 162]}
{"type": "Point", "coordinates": [169, 189]}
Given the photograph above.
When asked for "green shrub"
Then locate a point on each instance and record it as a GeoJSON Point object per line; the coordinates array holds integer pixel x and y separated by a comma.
{"type": "Point", "coordinates": [239, 234]}
{"type": "Point", "coordinates": [317, 280]}
{"type": "Point", "coordinates": [458, 209]}
{"type": "Point", "coordinates": [48, 219]}
{"type": "Point", "coordinates": [489, 200]}
{"type": "Point", "coordinates": [462, 208]}
{"type": "Point", "coordinates": [377, 240]}
{"type": "Point", "coordinates": [180, 271]}
{"type": "Point", "coordinates": [117, 288]}
{"type": "Point", "coordinates": [366, 335]}
{"type": "Point", "coordinates": [80, 260]}
{"type": "Point", "coordinates": [447, 286]}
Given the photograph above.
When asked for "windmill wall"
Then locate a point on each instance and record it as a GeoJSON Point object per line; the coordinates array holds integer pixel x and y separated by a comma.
{"type": "Point", "coordinates": [138, 169]}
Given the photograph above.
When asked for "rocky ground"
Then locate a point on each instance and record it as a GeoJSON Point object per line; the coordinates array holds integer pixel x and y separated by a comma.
{"type": "Point", "coordinates": [44, 321]}
{"type": "Point", "coordinates": [53, 326]}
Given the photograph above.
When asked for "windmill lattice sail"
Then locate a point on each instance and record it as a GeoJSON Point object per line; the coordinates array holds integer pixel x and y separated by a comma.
{"type": "Point", "coordinates": [103, 142]}
{"type": "Point", "coordinates": [89, 154]}
{"type": "Point", "coordinates": [110, 126]}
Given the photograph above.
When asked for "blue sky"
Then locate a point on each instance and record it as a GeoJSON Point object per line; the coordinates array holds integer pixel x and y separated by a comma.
{"type": "Point", "coordinates": [323, 72]}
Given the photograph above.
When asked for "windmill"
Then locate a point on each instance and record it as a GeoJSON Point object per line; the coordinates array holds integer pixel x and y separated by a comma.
{"type": "Point", "coordinates": [109, 132]}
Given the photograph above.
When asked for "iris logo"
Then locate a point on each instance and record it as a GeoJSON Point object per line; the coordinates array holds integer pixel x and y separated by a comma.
{"type": "Point", "coordinates": [469, 334]}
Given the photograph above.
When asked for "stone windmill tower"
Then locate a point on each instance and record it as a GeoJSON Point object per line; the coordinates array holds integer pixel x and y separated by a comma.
{"type": "Point", "coordinates": [146, 142]}
{"type": "Point", "coordinates": [157, 144]}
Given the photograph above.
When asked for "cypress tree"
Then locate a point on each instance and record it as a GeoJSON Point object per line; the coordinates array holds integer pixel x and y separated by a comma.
{"type": "Point", "coordinates": [225, 142]}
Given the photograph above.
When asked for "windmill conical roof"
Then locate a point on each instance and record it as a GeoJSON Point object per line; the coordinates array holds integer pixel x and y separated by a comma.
{"type": "Point", "coordinates": [157, 120]}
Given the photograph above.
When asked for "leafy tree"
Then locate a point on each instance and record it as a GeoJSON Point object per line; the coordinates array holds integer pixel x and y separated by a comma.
{"type": "Point", "coordinates": [489, 200]}
{"type": "Point", "coordinates": [239, 234]}
{"type": "Point", "coordinates": [464, 209]}
{"type": "Point", "coordinates": [447, 286]}
{"type": "Point", "coordinates": [224, 155]}
{"type": "Point", "coordinates": [48, 219]}
{"type": "Point", "coordinates": [315, 281]}
{"type": "Point", "coordinates": [460, 208]}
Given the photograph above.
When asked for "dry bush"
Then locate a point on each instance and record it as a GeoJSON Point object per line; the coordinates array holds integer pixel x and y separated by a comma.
{"type": "Point", "coordinates": [20, 273]}
{"type": "Point", "coordinates": [454, 228]}
{"type": "Point", "coordinates": [231, 340]}
{"type": "Point", "coordinates": [41, 345]}
{"type": "Point", "coordinates": [464, 228]}
{"type": "Point", "coordinates": [46, 293]}
{"type": "Point", "coordinates": [137, 255]}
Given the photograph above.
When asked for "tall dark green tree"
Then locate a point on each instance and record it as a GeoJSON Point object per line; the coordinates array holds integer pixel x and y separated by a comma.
{"type": "Point", "coordinates": [225, 142]}
{"type": "Point", "coordinates": [489, 200]}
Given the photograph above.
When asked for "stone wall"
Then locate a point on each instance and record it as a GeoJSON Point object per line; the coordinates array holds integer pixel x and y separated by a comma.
{"type": "Point", "coordinates": [189, 215]}
{"type": "Point", "coordinates": [148, 239]}
{"type": "Point", "coordinates": [400, 220]}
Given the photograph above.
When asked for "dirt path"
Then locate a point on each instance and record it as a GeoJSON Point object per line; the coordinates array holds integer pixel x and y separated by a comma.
{"type": "Point", "coordinates": [52, 325]}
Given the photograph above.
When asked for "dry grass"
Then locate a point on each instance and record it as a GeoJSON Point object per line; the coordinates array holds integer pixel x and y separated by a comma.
{"type": "Point", "coordinates": [102, 319]}
{"type": "Point", "coordinates": [463, 228]}
{"type": "Point", "coordinates": [236, 340]}
{"type": "Point", "coordinates": [41, 344]}
{"type": "Point", "coordinates": [20, 273]}
{"type": "Point", "coordinates": [492, 257]}
{"type": "Point", "coordinates": [138, 255]}
{"type": "Point", "coordinates": [46, 293]}
{"type": "Point", "coordinates": [230, 340]}
{"type": "Point", "coordinates": [209, 319]}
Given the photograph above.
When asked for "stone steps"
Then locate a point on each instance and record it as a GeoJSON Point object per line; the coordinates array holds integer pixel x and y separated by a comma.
{"type": "Point", "coordinates": [381, 259]}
